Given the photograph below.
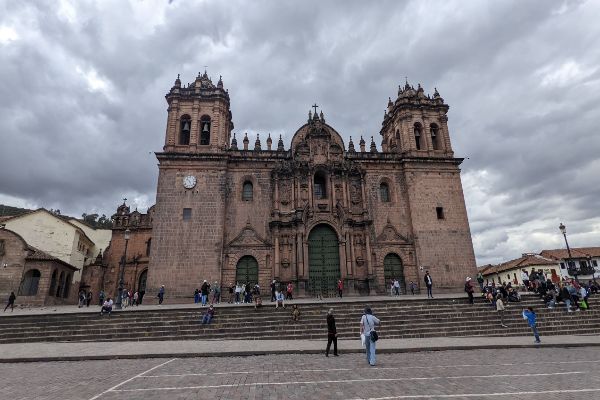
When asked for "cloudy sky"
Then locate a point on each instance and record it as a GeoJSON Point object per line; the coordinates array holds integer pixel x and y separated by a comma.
{"type": "Point", "coordinates": [82, 88]}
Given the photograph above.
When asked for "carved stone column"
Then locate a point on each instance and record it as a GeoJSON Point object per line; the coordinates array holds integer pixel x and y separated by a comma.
{"type": "Point", "coordinates": [276, 205]}
{"type": "Point", "coordinates": [277, 264]}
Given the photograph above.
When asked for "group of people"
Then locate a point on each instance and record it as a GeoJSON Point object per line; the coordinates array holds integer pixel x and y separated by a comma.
{"type": "Point", "coordinates": [571, 292]}
{"type": "Point", "coordinates": [395, 288]}
{"type": "Point", "coordinates": [201, 295]}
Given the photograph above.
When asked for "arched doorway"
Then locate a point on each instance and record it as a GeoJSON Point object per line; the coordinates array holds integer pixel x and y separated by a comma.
{"type": "Point", "coordinates": [142, 281]}
{"type": "Point", "coordinates": [393, 269]}
{"type": "Point", "coordinates": [323, 261]}
{"type": "Point", "coordinates": [246, 270]}
{"type": "Point", "coordinates": [31, 280]}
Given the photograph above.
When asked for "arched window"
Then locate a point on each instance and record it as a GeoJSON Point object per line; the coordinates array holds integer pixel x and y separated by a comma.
{"type": "Point", "coordinates": [320, 186]}
{"type": "Point", "coordinates": [185, 127]}
{"type": "Point", "coordinates": [418, 135]}
{"type": "Point", "coordinates": [434, 136]}
{"type": "Point", "coordinates": [397, 134]}
{"type": "Point", "coordinates": [31, 280]}
{"type": "Point", "coordinates": [247, 191]}
{"type": "Point", "coordinates": [205, 130]}
{"type": "Point", "coordinates": [384, 192]}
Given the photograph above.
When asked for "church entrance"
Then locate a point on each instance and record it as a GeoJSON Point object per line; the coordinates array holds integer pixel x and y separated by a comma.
{"type": "Point", "coordinates": [323, 261]}
{"type": "Point", "coordinates": [393, 269]}
{"type": "Point", "coordinates": [247, 270]}
{"type": "Point", "coordinates": [142, 281]}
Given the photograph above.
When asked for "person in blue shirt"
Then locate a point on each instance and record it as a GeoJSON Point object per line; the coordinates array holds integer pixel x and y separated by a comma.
{"type": "Point", "coordinates": [531, 318]}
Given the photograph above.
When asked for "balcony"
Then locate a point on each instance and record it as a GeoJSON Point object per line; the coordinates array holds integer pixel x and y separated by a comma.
{"type": "Point", "coordinates": [585, 270]}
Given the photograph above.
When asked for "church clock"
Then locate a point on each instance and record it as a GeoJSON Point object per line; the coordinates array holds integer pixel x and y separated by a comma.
{"type": "Point", "coordinates": [189, 182]}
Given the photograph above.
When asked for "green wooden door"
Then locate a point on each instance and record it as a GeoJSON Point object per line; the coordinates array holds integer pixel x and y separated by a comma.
{"type": "Point", "coordinates": [247, 270]}
{"type": "Point", "coordinates": [323, 261]}
{"type": "Point", "coordinates": [393, 269]}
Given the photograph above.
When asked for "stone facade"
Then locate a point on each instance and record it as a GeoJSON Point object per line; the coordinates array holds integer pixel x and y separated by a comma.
{"type": "Point", "coordinates": [103, 274]}
{"type": "Point", "coordinates": [314, 213]}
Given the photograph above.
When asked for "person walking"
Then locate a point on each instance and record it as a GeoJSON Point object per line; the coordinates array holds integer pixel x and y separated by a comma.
{"type": "Point", "coordinates": [469, 289]}
{"type": "Point", "coordinates": [331, 334]}
{"type": "Point", "coordinates": [11, 302]}
{"type": "Point", "coordinates": [101, 297]}
{"type": "Point", "coordinates": [396, 287]}
{"type": "Point", "coordinates": [136, 297]}
{"type": "Point", "coordinates": [340, 288]}
{"type": "Point", "coordinates": [88, 299]}
{"type": "Point", "coordinates": [531, 318]}
{"type": "Point", "coordinates": [368, 322]}
{"type": "Point", "coordinates": [124, 299]}
{"type": "Point", "coordinates": [161, 294]}
{"type": "Point", "coordinates": [413, 287]}
{"type": "Point", "coordinates": [429, 284]}
{"type": "Point", "coordinates": [81, 298]}
{"type": "Point", "coordinates": [500, 309]}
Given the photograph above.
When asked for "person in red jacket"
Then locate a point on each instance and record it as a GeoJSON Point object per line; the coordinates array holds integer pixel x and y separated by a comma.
{"type": "Point", "coordinates": [340, 287]}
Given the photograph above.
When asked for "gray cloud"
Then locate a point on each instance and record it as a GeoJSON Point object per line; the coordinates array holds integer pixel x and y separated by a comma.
{"type": "Point", "coordinates": [82, 86]}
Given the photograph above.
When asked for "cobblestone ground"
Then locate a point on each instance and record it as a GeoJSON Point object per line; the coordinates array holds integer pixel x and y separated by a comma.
{"type": "Point", "coordinates": [477, 374]}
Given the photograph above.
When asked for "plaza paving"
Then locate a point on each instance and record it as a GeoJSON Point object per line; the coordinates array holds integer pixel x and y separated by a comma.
{"type": "Point", "coordinates": [533, 373]}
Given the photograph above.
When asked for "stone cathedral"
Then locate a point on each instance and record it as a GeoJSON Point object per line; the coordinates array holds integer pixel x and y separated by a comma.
{"type": "Point", "coordinates": [234, 209]}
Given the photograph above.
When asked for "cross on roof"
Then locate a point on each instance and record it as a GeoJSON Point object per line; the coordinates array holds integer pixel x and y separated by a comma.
{"type": "Point", "coordinates": [315, 107]}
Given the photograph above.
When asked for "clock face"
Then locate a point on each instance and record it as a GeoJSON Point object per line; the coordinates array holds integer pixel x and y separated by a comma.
{"type": "Point", "coordinates": [189, 181]}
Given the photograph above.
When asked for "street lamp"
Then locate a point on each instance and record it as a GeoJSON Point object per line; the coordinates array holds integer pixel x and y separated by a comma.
{"type": "Point", "coordinates": [122, 271]}
{"type": "Point", "coordinates": [563, 230]}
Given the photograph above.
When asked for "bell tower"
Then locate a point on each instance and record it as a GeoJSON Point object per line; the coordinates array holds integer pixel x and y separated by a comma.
{"type": "Point", "coordinates": [416, 124]}
{"type": "Point", "coordinates": [199, 117]}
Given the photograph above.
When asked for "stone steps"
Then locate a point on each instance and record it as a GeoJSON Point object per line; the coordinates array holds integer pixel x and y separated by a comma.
{"type": "Point", "coordinates": [408, 319]}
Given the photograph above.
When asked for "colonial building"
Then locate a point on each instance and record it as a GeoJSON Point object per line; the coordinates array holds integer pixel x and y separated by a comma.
{"type": "Point", "coordinates": [556, 265]}
{"type": "Point", "coordinates": [103, 274]}
{"type": "Point", "coordinates": [60, 237]}
{"type": "Point", "coordinates": [312, 213]}
{"type": "Point", "coordinates": [36, 277]}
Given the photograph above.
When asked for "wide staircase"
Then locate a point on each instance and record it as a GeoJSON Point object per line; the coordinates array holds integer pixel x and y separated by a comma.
{"type": "Point", "coordinates": [400, 319]}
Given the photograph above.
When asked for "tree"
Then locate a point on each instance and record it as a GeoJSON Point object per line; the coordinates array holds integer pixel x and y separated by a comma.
{"type": "Point", "coordinates": [92, 220]}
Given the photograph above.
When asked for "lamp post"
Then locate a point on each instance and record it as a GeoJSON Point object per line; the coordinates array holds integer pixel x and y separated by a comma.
{"type": "Point", "coordinates": [118, 304]}
{"type": "Point", "coordinates": [563, 230]}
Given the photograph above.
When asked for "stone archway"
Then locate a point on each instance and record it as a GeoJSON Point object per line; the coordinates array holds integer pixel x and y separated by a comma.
{"type": "Point", "coordinates": [246, 271]}
{"type": "Point", "coordinates": [393, 269]}
{"type": "Point", "coordinates": [31, 281]}
{"type": "Point", "coordinates": [323, 261]}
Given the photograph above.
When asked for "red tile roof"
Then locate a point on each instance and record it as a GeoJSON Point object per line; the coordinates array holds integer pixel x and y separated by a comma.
{"type": "Point", "coordinates": [527, 260]}
{"type": "Point", "coordinates": [577, 252]}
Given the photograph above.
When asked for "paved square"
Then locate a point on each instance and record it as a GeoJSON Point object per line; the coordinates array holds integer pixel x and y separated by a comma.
{"type": "Point", "coordinates": [544, 373]}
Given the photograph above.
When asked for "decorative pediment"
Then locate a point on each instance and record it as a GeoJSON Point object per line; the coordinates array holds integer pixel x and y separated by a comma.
{"type": "Point", "coordinates": [248, 238]}
{"type": "Point", "coordinates": [391, 235]}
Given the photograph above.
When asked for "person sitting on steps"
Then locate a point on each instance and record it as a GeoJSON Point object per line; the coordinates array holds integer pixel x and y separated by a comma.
{"type": "Point", "coordinates": [209, 315]}
{"type": "Point", "coordinates": [279, 300]}
{"type": "Point", "coordinates": [295, 313]}
{"type": "Point", "coordinates": [107, 307]}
